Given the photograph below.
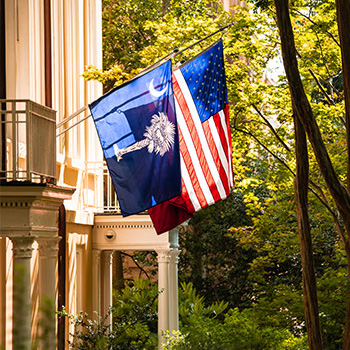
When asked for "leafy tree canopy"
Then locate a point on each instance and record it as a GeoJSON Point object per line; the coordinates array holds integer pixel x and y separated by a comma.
{"type": "Point", "coordinates": [245, 250]}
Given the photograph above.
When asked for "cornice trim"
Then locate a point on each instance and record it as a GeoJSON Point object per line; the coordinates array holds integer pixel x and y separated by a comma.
{"type": "Point", "coordinates": [123, 226]}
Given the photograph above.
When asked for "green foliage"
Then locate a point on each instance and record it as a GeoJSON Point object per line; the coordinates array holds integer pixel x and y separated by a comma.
{"type": "Point", "coordinates": [213, 260]}
{"type": "Point", "coordinates": [244, 251]}
{"type": "Point", "coordinates": [332, 290]}
{"type": "Point", "coordinates": [203, 326]}
{"type": "Point", "coordinates": [135, 315]}
{"type": "Point", "coordinates": [124, 30]}
{"type": "Point", "coordinates": [47, 334]}
{"type": "Point", "coordinates": [208, 327]}
{"type": "Point", "coordinates": [134, 325]}
{"type": "Point", "coordinates": [173, 340]}
{"type": "Point", "coordinates": [89, 334]}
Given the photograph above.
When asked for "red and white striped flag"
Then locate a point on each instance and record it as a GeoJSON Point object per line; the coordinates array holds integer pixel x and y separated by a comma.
{"type": "Point", "coordinates": [205, 139]}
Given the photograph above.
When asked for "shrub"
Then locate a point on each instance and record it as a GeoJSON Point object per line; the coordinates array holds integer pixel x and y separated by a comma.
{"type": "Point", "coordinates": [202, 326]}
{"type": "Point", "coordinates": [134, 327]}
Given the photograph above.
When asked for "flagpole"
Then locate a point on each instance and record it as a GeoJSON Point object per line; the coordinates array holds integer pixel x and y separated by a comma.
{"type": "Point", "coordinates": [172, 54]}
{"type": "Point", "coordinates": [176, 51]}
{"type": "Point", "coordinates": [199, 41]}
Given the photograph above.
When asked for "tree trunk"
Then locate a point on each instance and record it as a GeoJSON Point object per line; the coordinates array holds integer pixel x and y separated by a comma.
{"type": "Point", "coordinates": [304, 112]}
{"type": "Point", "coordinates": [309, 280]}
{"type": "Point", "coordinates": [338, 191]}
{"type": "Point", "coordinates": [343, 19]}
{"type": "Point", "coordinates": [346, 337]}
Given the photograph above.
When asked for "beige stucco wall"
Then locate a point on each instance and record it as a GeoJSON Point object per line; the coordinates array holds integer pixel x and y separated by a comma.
{"type": "Point", "coordinates": [76, 42]}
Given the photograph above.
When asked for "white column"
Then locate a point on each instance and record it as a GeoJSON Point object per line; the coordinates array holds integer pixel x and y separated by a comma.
{"type": "Point", "coordinates": [22, 253]}
{"type": "Point", "coordinates": [173, 291]}
{"type": "Point", "coordinates": [47, 291]}
{"type": "Point", "coordinates": [163, 289]}
{"type": "Point", "coordinates": [107, 282]}
{"type": "Point", "coordinates": [96, 282]}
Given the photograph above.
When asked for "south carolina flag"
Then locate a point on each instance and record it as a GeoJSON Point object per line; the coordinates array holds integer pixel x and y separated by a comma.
{"type": "Point", "coordinates": [201, 107]}
{"type": "Point", "coordinates": [137, 128]}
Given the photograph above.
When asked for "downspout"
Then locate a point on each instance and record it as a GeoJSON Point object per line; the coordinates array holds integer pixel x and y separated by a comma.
{"type": "Point", "coordinates": [3, 86]}
{"type": "Point", "coordinates": [48, 63]}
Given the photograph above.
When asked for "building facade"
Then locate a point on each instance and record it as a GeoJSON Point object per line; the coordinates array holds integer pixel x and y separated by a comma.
{"type": "Point", "coordinates": [56, 238]}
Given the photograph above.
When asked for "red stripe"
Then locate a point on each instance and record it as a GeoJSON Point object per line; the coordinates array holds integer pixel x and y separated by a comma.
{"type": "Point", "coordinates": [187, 199]}
{"type": "Point", "coordinates": [196, 141]}
{"type": "Point", "coordinates": [190, 168]}
{"type": "Point", "coordinates": [219, 122]}
{"type": "Point", "coordinates": [215, 153]}
{"type": "Point", "coordinates": [186, 156]}
{"type": "Point", "coordinates": [228, 127]}
{"type": "Point", "coordinates": [221, 132]}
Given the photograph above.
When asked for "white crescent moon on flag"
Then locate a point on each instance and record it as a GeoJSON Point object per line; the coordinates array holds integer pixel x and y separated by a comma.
{"type": "Point", "coordinates": [154, 92]}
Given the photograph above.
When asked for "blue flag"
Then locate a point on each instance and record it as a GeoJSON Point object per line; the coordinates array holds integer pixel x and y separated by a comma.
{"type": "Point", "coordinates": [137, 128]}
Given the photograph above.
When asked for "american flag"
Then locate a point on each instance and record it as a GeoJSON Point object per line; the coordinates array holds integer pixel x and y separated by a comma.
{"type": "Point", "coordinates": [205, 140]}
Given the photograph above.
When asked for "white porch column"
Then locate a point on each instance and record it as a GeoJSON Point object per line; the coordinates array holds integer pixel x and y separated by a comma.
{"type": "Point", "coordinates": [163, 289]}
{"type": "Point", "coordinates": [173, 291]}
{"type": "Point", "coordinates": [107, 279]}
{"type": "Point", "coordinates": [96, 285]}
{"type": "Point", "coordinates": [47, 291]}
{"type": "Point", "coordinates": [173, 281]}
{"type": "Point", "coordinates": [22, 253]}
{"type": "Point", "coordinates": [28, 211]}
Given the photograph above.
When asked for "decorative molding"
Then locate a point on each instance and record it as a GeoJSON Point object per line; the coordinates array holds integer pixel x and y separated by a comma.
{"type": "Point", "coordinates": [174, 256]}
{"type": "Point", "coordinates": [20, 231]}
{"type": "Point", "coordinates": [22, 247]}
{"type": "Point", "coordinates": [96, 255]}
{"type": "Point", "coordinates": [14, 204]}
{"type": "Point", "coordinates": [163, 256]}
{"type": "Point", "coordinates": [132, 233]}
{"type": "Point", "coordinates": [108, 257]}
{"type": "Point", "coordinates": [48, 246]}
{"type": "Point", "coordinates": [121, 226]}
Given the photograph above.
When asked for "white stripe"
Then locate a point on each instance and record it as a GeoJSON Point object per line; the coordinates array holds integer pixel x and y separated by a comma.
{"type": "Point", "coordinates": [198, 124]}
{"type": "Point", "coordinates": [193, 154]}
{"type": "Point", "coordinates": [229, 145]}
{"type": "Point", "coordinates": [223, 124]}
{"type": "Point", "coordinates": [188, 183]}
{"type": "Point", "coordinates": [217, 141]}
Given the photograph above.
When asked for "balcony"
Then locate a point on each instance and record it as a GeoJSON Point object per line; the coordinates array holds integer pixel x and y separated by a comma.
{"type": "Point", "coordinates": [95, 192]}
{"type": "Point", "coordinates": [28, 142]}
{"type": "Point", "coordinates": [96, 180]}
{"type": "Point", "coordinates": [28, 153]}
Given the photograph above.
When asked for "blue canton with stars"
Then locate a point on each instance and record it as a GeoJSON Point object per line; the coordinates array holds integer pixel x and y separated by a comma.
{"type": "Point", "coordinates": [205, 77]}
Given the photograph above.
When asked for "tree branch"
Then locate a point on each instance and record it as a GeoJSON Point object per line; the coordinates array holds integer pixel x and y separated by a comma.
{"type": "Point", "coordinates": [331, 101]}
{"type": "Point", "coordinates": [265, 147]}
{"type": "Point", "coordinates": [313, 22]}
{"type": "Point", "coordinates": [136, 263]}
{"type": "Point", "coordinates": [271, 128]}
{"type": "Point", "coordinates": [305, 114]}
{"type": "Point", "coordinates": [321, 197]}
